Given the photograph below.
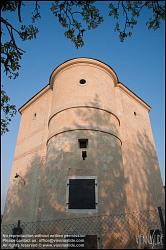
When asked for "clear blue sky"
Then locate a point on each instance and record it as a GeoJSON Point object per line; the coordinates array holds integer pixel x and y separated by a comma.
{"type": "Point", "coordinates": [138, 62]}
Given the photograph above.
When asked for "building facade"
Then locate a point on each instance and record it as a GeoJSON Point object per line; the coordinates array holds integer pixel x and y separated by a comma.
{"type": "Point", "coordinates": [85, 148]}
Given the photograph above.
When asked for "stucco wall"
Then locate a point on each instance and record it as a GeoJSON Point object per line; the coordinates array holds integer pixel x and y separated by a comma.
{"type": "Point", "coordinates": [121, 151]}
{"type": "Point", "coordinates": [22, 197]}
{"type": "Point", "coordinates": [64, 159]}
{"type": "Point", "coordinates": [143, 180]}
{"type": "Point", "coordinates": [84, 118]}
{"type": "Point", "coordinates": [95, 92]}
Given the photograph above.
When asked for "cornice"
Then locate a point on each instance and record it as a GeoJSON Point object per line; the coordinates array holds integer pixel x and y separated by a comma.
{"type": "Point", "coordinates": [83, 60]}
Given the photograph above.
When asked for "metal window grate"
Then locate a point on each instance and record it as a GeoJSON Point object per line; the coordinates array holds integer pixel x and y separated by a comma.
{"type": "Point", "coordinates": [82, 194]}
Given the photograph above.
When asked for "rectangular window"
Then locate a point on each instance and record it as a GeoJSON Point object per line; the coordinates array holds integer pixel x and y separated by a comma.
{"type": "Point", "coordinates": [83, 143]}
{"type": "Point", "coordinates": [82, 193]}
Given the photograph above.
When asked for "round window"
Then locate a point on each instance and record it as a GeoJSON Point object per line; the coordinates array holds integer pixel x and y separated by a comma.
{"type": "Point", "coordinates": [82, 81]}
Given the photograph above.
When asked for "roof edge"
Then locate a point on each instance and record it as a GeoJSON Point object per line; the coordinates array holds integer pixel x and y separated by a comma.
{"type": "Point", "coordinates": [33, 98]}
{"type": "Point", "coordinates": [77, 60]}
{"type": "Point", "coordinates": [90, 61]}
{"type": "Point", "coordinates": [132, 94]}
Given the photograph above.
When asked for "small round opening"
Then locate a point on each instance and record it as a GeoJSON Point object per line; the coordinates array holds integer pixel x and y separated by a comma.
{"type": "Point", "coordinates": [34, 114]}
{"type": "Point", "coordinates": [82, 81]}
{"type": "Point", "coordinates": [135, 113]}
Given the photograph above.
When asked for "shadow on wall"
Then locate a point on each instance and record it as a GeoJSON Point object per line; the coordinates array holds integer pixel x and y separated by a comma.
{"type": "Point", "coordinates": [104, 161]}
{"type": "Point", "coordinates": [22, 197]}
{"type": "Point", "coordinates": [43, 197]}
{"type": "Point", "coordinates": [117, 186]}
{"type": "Point", "coordinates": [144, 173]}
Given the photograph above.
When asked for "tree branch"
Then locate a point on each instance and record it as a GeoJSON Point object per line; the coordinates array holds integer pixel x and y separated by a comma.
{"type": "Point", "coordinates": [126, 16]}
{"type": "Point", "coordinates": [10, 29]}
{"type": "Point", "coordinates": [19, 10]}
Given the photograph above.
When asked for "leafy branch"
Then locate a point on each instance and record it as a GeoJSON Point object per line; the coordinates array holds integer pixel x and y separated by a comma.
{"type": "Point", "coordinates": [77, 17]}
{"type": "Point", "coordinates": [8, 111]}
{"type": "Point", "coordinates": [131, 10]}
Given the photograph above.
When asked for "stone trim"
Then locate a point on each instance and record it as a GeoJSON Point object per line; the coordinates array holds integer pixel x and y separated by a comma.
{"type": "Point", "coordinates": [83, 107]}
{"type": "Point", "coordinates": [83, 129]}
{"type": "Point", "coordinates": [86, 61]}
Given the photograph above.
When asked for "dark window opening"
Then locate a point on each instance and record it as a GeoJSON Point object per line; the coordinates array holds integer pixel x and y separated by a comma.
{"type": "Point", "coordinates": [82, 81]}
{"type": "Point", "coordinates": [82, 194]}
{"type": "Point", "coordinates": [87, 242]}
{"type": "Point", "coordinates": [84, 155]}
{"type": "Point", "coordinates": [83, 143]}
{"type": "Point", "coordinates": [135, 113]}
{"type": "Point", "coordinates": [34, 114]}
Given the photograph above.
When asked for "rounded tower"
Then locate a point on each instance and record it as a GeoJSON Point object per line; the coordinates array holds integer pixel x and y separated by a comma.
{"type": "Point", "coordinates": [84, 171]}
